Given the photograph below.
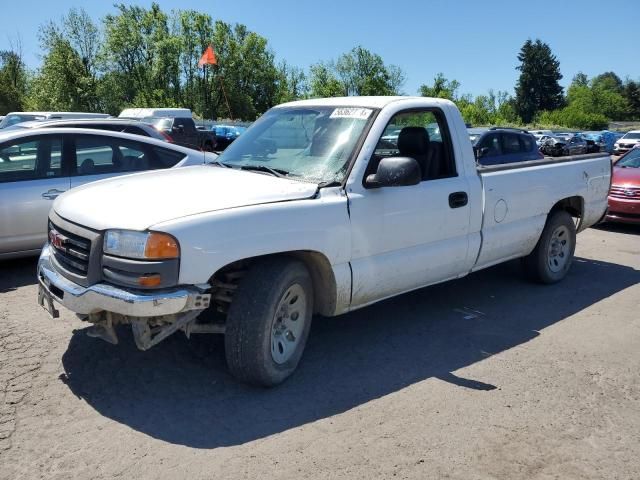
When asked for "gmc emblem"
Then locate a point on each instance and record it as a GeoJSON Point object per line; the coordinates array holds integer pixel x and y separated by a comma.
{"type": "Point", "coordinates": [57, 240]}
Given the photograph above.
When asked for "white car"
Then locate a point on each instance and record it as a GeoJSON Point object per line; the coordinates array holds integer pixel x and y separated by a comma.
{"type": "Point", "coordinates": [627, 142]}
{"type": "Point", "coordinates": [13, 118]}
{"type": "Point", "coordinates": [37, 165]}
{"type": "Point", "coordinates": [308, 212]}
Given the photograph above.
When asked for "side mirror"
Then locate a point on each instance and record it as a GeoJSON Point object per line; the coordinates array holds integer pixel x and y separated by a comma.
{"type": "Point", "coordinates": [480, 152]}
{"type": "Point", "coordinates": [395, 172]}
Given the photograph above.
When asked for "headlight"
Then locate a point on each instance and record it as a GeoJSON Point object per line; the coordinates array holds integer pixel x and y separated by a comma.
{"type": "Point", "coordinates": [142, 245]}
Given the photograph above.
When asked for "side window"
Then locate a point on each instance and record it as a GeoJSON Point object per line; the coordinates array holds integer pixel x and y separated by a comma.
{"type": "Point", "coordinates": [31, 159]}
{"type": "Point", "coordinates": [492, 143]}
{"type": "Point", "coordinates": [165, 158]}
{"type": "Point", "coordinates": [135, 131]}
{"type": "Point", "coordinates": [132, 156]}
{"type": "Point", "coordinates": [94, 155]}
{"type": "Point", "coordinates": [189, 125]}
{"type": "Point", "coordinates": [422, 135]}
{"type": "Point", "coordinates": [527, 143]}
{"type": "Point", "coordinates": [510, 143]}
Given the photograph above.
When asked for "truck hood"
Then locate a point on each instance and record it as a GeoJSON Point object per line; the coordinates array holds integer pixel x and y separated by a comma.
{"type": "Point", "coordinates": [136, 202]}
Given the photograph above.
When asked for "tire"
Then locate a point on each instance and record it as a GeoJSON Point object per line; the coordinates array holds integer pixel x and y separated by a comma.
{"type": "Point", "coordinates": [551, 259]}
{"type": "Point", "coordinates": [269, 321]}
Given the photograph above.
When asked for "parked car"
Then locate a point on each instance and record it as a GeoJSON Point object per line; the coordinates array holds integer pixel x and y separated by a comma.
{"type": "Point", "coordinates": [624, 195]}
{"type": "Point", "coordinates": [225, 134]}
{"type": "Point", "coordinates": [19, 117]}
{"type": "Point", "coordinates": [183, 131]}
{"type": "Point", "coordinates": [604, 140]}
{"type": "Point", "coordinates": [627, 142]}
{"type": "Point", "coordinates": [37, 165]}
{"type": "Point", "coordinates": [327, 222]}
{"type": "Point", "coordinates": [111, 124]}
{"type": "Point", "coordinates": [506, 145]}
{"type": "Point", "coordinates": [474, 133]}
{"type": "Point", "coordinates": [140, 113]}
{"type": "Point", "coordinates": [540, 139]}
{"type": "Point", "coordinates": [558, 146]}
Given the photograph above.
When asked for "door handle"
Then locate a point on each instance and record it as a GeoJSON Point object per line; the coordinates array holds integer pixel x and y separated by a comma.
{"type": "Point", "coordinates": [52, 194]}
{"type": "Point", "coordinates": [458, 199]}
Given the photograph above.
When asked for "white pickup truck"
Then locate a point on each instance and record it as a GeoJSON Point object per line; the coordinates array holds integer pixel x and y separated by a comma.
{"type": "Point", "coordinates": [321, 207]}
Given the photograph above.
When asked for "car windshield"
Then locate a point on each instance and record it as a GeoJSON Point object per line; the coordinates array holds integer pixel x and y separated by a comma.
{"type": "Point", "coordinates": [15, 118]}
{"type": "Point", "coordinates": [630, 160]}
{"type": "Point", "coordinates": [160, 123]}
{"type": "Point", "coordinates": [632, 136]}
{"type": "Point", "coordinates": [312, 144]}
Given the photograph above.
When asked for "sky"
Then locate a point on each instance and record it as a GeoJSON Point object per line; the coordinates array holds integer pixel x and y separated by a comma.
{"type": "Point", "coordinates": [474, 42]}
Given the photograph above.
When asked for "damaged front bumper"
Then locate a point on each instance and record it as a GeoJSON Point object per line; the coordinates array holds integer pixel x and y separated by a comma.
{"type": "Point", "coordinates": [108, 298]}
{"type": "Point", "coordinates": [153, 315]}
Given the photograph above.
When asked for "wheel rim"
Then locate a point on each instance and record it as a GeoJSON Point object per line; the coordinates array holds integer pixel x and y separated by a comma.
{"type": "Point", "coordinates": [559, 251]}
{"type": "Point", "coordinates": [288, 323]}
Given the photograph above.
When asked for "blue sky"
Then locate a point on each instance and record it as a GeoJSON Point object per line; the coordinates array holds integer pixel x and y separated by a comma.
{"type": "Point", "coordinates": [475, 42]}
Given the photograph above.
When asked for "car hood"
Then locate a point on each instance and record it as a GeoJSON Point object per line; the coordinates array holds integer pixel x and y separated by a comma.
{"type": "Point", "coordinates": [626, 176]}
{"type": "Point", "coordinates": [139, 201]}
{"type": "Point", "coordinates": [628, 140]}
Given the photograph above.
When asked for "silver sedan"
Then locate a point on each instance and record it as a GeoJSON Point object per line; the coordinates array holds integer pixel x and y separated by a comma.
{"type": "Point", "coordinates": [37, 165]}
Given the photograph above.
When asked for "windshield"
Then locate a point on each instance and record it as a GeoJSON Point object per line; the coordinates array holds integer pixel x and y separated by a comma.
{"type": "Point", "coordinates": [631, 159]}
{"type": "Point", "coordinates": [313, 144]}
{"type": "Point", "coordinates": [18, 118]}
{"type": "Point", "coordinates": [631, 136]}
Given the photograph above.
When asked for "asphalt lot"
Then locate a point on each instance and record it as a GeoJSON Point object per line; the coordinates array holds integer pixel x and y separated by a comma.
{"type": "Point", "coordinates": [485, 377]}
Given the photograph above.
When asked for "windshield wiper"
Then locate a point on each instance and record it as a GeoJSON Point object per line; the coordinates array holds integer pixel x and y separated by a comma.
{"type": "Point", "coordinates": [219, 164]}
{"type": "Point", "coordinates": [276, 172]}
{"type": "Point", "coordinates": [332, 183]}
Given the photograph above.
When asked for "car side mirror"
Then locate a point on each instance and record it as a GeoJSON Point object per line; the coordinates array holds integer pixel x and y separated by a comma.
{"type": "Point", "coordinates": [395, 172]}
{"type": "Point", "coordinates": [481, 152]}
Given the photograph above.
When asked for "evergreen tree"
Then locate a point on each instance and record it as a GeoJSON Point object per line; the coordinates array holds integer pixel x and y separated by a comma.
{"type": "Point", "coordinates": [537, 88]}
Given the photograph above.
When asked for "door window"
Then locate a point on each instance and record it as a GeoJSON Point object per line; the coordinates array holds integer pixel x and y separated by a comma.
{"type": "Point", "coordinates": [510, 143]}
{"type": "Point", "coordinates": [165, 158]}
{"type": "Point", "coordinates": [492, 143]}
{"type": "Point", "coordinates": [97, 155]}
{"type": "Point", "coordinates": [421, 135]}
{"type": "Point", "coordinates": [31, 158]}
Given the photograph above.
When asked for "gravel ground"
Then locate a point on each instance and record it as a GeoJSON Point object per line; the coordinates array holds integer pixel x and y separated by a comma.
{"type": "Point", "coordinates": [486, 377]}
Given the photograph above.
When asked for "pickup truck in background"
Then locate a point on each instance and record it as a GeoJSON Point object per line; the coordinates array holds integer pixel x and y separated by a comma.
{"type": "Point", "coordinates": [182, 131]}
{"type": "Point", "coordinates": [321, 207]}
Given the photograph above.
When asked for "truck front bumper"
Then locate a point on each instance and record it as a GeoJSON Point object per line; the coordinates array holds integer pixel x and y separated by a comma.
{"type": "Point", "coordinates": [104, 297]}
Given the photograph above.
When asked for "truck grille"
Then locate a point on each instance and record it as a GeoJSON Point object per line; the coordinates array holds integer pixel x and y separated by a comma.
{"type": "Point", "coordinates": [70, 250]}
{"type": "Point", "coordinates": [626, 193]}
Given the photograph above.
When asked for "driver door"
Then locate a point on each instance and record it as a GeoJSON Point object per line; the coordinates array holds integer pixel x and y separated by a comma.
{"type": "Point", "coordinates": [408, 237]}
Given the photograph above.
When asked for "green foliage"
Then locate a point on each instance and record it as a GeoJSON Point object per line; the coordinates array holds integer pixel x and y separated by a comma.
{"type": "Point", "coordinates": [442, 88]}
{"type": "Point", "coordinates": [537, 88]}
{"type": "Point", "coordinates": [13, 81]}
{"type": "Point", "coordinates": [573, 117]}
{"type": "Point", "coordinates": [358, 72]}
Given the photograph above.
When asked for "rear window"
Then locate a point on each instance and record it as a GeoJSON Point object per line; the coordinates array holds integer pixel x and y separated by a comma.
{"type": "Point", "coordinates": [166, 158]}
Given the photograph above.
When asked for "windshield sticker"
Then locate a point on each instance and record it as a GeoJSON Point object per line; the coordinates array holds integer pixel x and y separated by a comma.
{"type": "Point", "coordinates": [349, 112]}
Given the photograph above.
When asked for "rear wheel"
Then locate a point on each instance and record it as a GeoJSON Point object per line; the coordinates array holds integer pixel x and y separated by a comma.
{"type": "Point", "coordinates": [551, 259]}
{"type": "Point", "coordinates": [268, 321]}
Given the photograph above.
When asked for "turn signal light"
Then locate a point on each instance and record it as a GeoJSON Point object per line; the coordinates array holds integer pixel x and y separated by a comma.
{"type": "Point", "coordinates": [150, 280]}
{"type": "Point", "coordinates": [161, 245]}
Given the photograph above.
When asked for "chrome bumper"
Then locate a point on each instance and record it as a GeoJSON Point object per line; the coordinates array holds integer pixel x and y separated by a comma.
{"type": "Point", "coordinates": [104, 297]}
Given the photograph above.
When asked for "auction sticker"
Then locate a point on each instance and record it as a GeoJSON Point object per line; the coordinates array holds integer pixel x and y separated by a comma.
{"type": "Point", "coordinates": [351, 112]}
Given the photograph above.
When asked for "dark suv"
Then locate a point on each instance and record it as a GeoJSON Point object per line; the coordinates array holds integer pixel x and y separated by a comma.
{"type": "Point", "coordinates": [506, 145]}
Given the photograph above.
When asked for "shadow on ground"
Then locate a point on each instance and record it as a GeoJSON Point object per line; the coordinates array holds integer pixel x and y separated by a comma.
{"type": "Point", "coordinates": [180, 391]}
{"type": "Point", "coordinates": [631, 229]}
{"type": "Point", "coordinates": [17, 273]}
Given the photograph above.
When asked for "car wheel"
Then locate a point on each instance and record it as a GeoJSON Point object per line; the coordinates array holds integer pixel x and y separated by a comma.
{"type": "Point", "coordinates": [552, 257]}
{"type": "Point", "coordinates": [269, 321]}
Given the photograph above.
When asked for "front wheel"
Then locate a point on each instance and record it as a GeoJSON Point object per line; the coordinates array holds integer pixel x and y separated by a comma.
{"type": "Point", "coordinates": [551, 259]}
{"type": "Point", "coordinates": [269, 321]}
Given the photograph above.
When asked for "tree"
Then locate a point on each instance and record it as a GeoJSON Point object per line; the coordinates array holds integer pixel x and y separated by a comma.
{"type": "Point", "coordinates": [58, 85]}
{"type": "Point", "coordinates": [580, 79]}
{"type": "Point", "coordinates": [442, 88]}
{"type": "Point", "coordinates": [362, 72]}
{"type": "Point", "coordinates": [631, 93]}
{"type": "Point", "coordinates": [291, 83]}
{"type": "Point", "coordinates": [323, 82]}
{"type": "Point", "coordinates": [538, 86]}
{"type": "Point", "coordinates": [13, 80]}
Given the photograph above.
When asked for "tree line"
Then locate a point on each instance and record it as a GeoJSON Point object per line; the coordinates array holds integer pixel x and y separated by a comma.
{"type": "Point", "coordinates": [143, 57]}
